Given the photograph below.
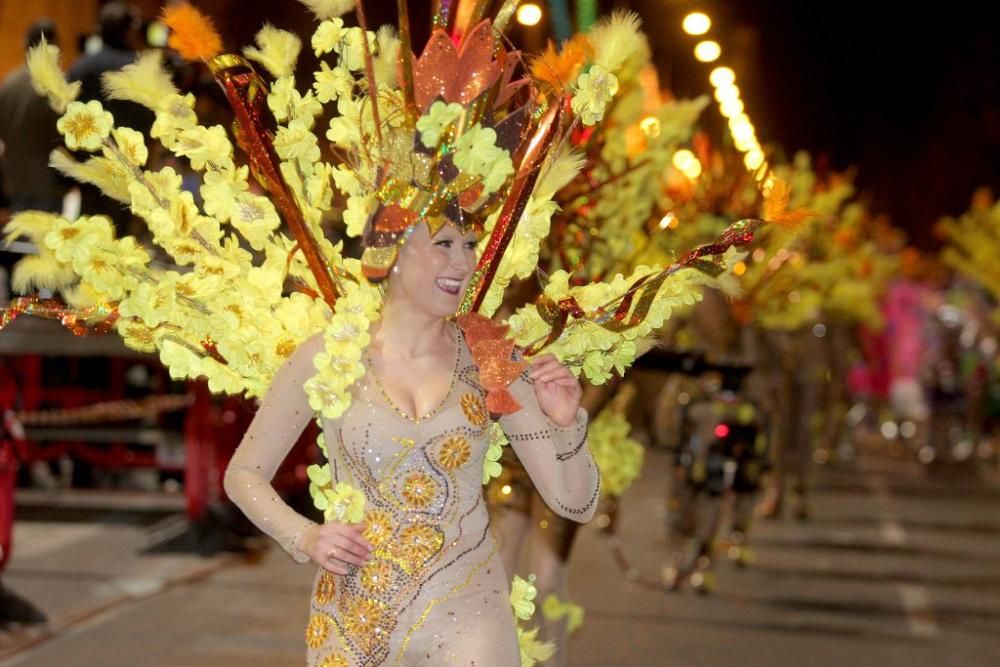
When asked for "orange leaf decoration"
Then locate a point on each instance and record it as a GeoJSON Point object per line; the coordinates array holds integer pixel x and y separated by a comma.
{"type": "Point", "coordinates": [492, 354]}
{"type": "Point", "coordinates": [192, 33]}
{"type": "Point", "coordinates": [498, 373]}
{"type": "Point", "coordinates": [490, 349]}
{"type": "Point", "coordinates": [477, 328]}
{"type": "Point", "coordinates": [499, 402]}
{"type": "Point", "coordinates": [776, 207]}
{"type": "Point", "coordinates": [456, 75]}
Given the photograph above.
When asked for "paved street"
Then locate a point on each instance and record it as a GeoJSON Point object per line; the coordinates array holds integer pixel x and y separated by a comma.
{"type": "Point", "coordinates": [892, 569]}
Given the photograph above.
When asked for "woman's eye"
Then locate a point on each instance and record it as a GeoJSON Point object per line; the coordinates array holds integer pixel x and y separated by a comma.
{"type": "Point", "coordinates": [444, 243]}
{"type": "Point", "coordinates": [470, 245]}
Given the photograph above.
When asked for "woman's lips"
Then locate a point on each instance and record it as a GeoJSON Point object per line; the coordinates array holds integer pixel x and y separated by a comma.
{"type": "Point", "coordinates": [449, 285]}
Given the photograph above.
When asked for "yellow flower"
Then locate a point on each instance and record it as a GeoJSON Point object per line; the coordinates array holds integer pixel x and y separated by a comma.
{"type": "Point", "coordinates": [131, 145]}
{"type": "Point", "coordinates": [255, 218]}
{"type": "Point", "coordinates": [356, 214]}
{"type": "Point", "coordinates": [475, 409]}
{"type": "Point", "coordinates": [491, 464]}
{"type": "Point", "coordinates": [332, 83]}
{"type": "Point", "coordinates": [532, 650]}
{"type": "Point", "coordinates": [376, 577]}
{"type": "Point", "coordinates": [438, 120]}
{"type": "Point", "coordinates": [100, 270]}
{"type": "Point", "coordinates": [220, 189]}
{"type": "Point", "coordinates": [296, 142]}
{"type": "Point", "coordinates": [346, 180]}
{"type": "Point", "coordinates": [326, 588]}
{"type": "Point", "coordinates": [378, 527]}
{"type": "Point", "coordinates": [419, 490]}
{"type": "Point", "coordinates": [161, 182]}
{"type": "Point", "coordinates": [351, 48]}
{"type": "Point", "coordinates": [174, 115]}
{"type": "Point", "coordinates": [365, 623]}
{"type": "Point", "coordinates": [345, 129]}
{"type": "Point", "coordinates": [136, 335]}
{"type": "Point", "coordinates": [455, 453]}
{"type": "Point", "coordinates": [74, 241]}
{"type": "Point", "coordinates": [85, 126]}
{"type": "Point", "coordinates": [319, 483]}
{"type": "Point", "coordinates": [182, 362]}
{"type": "Point", "coordinates": [279, 98]}
{"type": "Point", "coordinates": [594, 90]}
{"type": "Point", "coordinates": [555, 609]}
{"type": "Point", "coordinates": [318, 630]}
{"type": "Point", "coordinates": [345, 504]}
{"type": "Point", "coordinates": [334, 660]}
{"type": "Point", "coordinates": [477, 154]}
{"type": "Point", "coordinates": [327, 35]}
{"type": "Point", "coordinates": [522, 596]}
{"type": "Point", "coordinates": [415, 544]}
{"type": "Point", "coordinates": [204, 145]}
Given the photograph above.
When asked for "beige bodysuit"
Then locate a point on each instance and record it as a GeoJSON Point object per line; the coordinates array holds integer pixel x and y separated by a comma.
{"type": "Point", "coordinates": [435, 591]}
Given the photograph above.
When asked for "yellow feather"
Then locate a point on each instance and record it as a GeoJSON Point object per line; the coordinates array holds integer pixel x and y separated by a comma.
{"type": "Point", "coordinates": [42, 271]}
{"type": "Point", "coordinates": [278, 52]}
{"type": "Point", "coordinates": [328, 9]}
{"type": "Point", "coordinates": [560, 170]}
{"type": "Point", "coordinates": [32, 224]}
{"type": "Point", "coordinates": [616, 39]}
{"type": "Point", "coordinates": [106, 174]}
{"type": "Point", "coordinates": [144, 81]}
{"type": "Point", "coordinates": [48, 79]}
{"type": "Point", "coordinates": [385, 59]}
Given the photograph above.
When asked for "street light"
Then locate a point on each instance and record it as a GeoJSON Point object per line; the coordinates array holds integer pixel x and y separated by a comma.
{"type": "Point", "coordinates": [707, 51]}
{"type": "Point", "coordinates": [727, 94]}
{"type": "Point", "coordinates": [696, 23]}
{"type": "Point", "coordinates": [722, 77]}
{"type": "Point", "coordinates": [529, 14]}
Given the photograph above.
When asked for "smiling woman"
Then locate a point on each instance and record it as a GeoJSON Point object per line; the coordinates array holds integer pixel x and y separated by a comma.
{"type": "Point", "coordinates": [421, 570]}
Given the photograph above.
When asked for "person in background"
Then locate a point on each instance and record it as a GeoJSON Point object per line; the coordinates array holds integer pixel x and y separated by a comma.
{"type": "Point", "coordinates": [119, 26]}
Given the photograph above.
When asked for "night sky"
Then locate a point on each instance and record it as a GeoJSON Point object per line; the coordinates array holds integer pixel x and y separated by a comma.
{"type": "Point", "coordinates": [908, 95]}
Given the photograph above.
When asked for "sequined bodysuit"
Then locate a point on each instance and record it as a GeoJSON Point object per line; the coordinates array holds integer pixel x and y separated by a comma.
{"type": "Point", "coordinates": [435, 591]}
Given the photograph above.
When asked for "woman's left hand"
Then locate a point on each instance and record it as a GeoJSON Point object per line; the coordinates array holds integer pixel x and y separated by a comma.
{"type": "Point", "coordinates": [557, 390]}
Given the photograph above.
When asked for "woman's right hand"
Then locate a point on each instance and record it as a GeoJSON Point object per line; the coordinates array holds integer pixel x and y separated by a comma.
{"type": "Point", "coordinates": [333, 546]}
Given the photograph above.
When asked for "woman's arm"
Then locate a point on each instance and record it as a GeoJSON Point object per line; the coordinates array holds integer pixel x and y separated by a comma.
{"type": "Point", "coordinates": [549, 435]}
{"type": "Point", "coordinates": [283, 414]}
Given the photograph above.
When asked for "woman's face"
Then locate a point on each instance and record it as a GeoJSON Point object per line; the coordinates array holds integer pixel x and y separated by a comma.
{"type": "Point", "coordinates": [432, 273]}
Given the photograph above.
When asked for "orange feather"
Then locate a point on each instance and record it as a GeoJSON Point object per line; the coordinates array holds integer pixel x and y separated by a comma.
{"type": "Point", "coordinates": [193, 35]}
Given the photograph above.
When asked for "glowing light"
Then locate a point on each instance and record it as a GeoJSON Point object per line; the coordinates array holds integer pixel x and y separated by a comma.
{"type": "Point", "coordinates": [707, 51]}
{"type": "Point", "coordinates": [696, 23]}
{"type": "Point", "coordinates": [721, 430]}
{"type": "Point", "coordinates": [725, 94]}
{"type": "Point", "coordinates": [650, 126]}
{"type": "Point", "coordinates": [731, 108]}
{"type": "Point", "coordinates": [722, 77]}
{"type": "Point", "coordinates": [506, 489]}
{"type": "Point", "coordinates": [686, 162]}
{"type": "Point", "coordinates": [739, 268]}
{"type": "Point", "coordinates": [668, 221]}
{"type": "Point", "coordinates": [754, 159]}
{"type": "Point", "coordinates": [529, 14]}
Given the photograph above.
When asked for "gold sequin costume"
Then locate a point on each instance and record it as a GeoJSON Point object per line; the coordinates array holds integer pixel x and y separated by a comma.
{"type": "Point", "coordinates": [435, 591]}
